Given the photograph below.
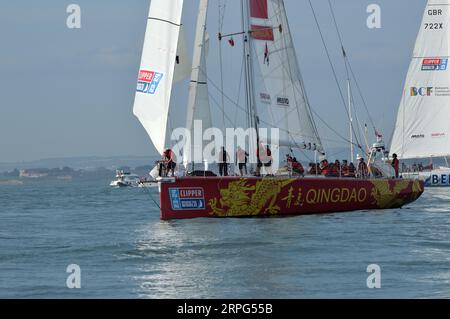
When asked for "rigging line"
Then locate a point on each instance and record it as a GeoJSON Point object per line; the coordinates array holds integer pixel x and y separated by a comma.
{"type": "Point", "coordinates": [298, 146]}
{"type": "Point", "coordinates": [333, 130]}
{"type": "Point", "coordinates": [360, 128]}
{"type": "Point", "coordinates": [215, 86]}
{"type": "Point", "coordinates": [151, 197]}
{"type": "Point", "coordinates": [335, 154]}
{"type": "Point", "coordinates": [217, 104]}
{"type": "Point", "coordinates": [344, 139]}
{"type": "Point", "coordinates": [262, 121]}
{"type": "Point", "coordinates": [222, 17]}
{"type": "Point", "coordinates": [332, 67]}
{"type": "Point", "coordinates": [284, 38]}
{"type": "Point", "coordinates": [299, 77]}
{"type": "Point", "coordinates": [361, 95]}
{"type": "Point", "coordinates": [302, 151]}
{"type": "Point", "coordinates": [351, 99]}
{"type": "Point", "coordinates": [295, 88]}
{"type": "Point", "coordinates": [348, 64]}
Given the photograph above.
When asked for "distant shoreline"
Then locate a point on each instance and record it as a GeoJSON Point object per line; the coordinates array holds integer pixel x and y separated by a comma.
{"type": "Point", "coordinates": [90, 164]}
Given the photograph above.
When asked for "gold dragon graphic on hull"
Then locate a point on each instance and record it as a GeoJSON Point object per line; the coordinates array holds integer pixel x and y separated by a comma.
{"type": "Point", "coordinates": [242, 199]}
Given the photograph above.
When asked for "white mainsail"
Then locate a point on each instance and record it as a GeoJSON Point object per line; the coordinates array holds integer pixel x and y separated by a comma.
{"type": "Point", "coordinates": [423, 121]}
{"type": "Point", "coordinates": [198, 108]}
{"type": "Point", "coordinates": [279, 93]}
{"type": "Point", "coordinates": [156, 73]}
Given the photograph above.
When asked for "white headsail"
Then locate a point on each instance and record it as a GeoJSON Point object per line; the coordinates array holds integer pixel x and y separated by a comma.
{"type": "Point", "coordinates": [183, 60]}
{"type": "Point", "coordinates": [423, 122]}
{"type": "Point", "coordinates": [279, 93]}
{"type": "Point", "coordinates": [156, 74]}
{"type": "Point", "coordinates": [198, 104]}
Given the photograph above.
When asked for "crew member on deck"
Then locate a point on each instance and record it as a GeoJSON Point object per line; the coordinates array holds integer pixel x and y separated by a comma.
{"type": "Point", "coordinates": [314, 169]}
{"type": "Point", "coordinates": [264, 156]}
{"type": "Point", "coordinates": [351, 170]}
{"type": "Point", "coordinates": [337, 169]}
{"type": "Point", "coordinates": [224, 159]}
{"type": "Point", "coordinates": [324, 167]}
{"type": "Point", "coordinates": [345, 169]}
{"type": "Point", "coordinates": [241, 158]}
{"type": "Point", "coordinates": [170, 162]}
{"type": "Point", "coordinates": [395, 164]}
{"type": "Point", "coordinates": [295, 166]}
{"type": "Point", "coordinates": [363, 171]}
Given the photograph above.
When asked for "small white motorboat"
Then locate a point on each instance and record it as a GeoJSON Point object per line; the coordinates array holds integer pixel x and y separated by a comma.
{"type": "Point", "coordinates": [125, 179]}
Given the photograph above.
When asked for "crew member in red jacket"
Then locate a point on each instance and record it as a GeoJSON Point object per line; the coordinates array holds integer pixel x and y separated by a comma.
{"type": "Point", "coordinates": [395, 164]}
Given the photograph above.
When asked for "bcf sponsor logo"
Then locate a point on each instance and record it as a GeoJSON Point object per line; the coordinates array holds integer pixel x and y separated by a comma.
{"type": "Point", "coordinates": [421, 91]}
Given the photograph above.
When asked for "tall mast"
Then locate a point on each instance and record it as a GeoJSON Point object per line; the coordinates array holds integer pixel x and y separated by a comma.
{"type": "Point", "coordinates": [221, 67]}
{"type": "Point", "coordinates": [352, 151]}
{"type": "Point", "coordinates": [244, 57]}
{"type": "Point", "coordinates": [250, 98]}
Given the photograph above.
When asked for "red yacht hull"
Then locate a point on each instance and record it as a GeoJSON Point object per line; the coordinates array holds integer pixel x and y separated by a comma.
{"type": "Point", "coordinates": [194, 197]}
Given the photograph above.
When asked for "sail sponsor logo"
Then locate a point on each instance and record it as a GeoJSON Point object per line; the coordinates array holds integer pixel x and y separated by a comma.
{"type": "Point", "coordinates": [434, 64]}
{"type": "Point", "coordinates": [192, 198]}
{"type": "Point", "coordinates": [265, 98]}
{"type": "Point", "coordinates": [148, 81]}
{"type": "Point", "coordinates": [417, 136]}
{"type": "Point", "coordinates": [437, 135]}
{"type": "Point", "coordinates": [282, 101]}
{"type": "Point", "coordinates": [421, 91]}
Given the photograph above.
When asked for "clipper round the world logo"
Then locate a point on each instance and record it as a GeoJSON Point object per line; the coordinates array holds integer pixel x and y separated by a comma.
{"type": "Point", "coordinates": [148, 81]}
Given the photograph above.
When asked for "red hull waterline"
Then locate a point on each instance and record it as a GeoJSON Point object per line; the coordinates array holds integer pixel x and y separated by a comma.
{"type": "Point", "coordinates": [195, 197]}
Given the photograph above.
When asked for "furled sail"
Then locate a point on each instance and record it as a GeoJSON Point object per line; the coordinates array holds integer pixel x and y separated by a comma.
{"type": "Point", "coordinates": [198, 104]}
{"type": "Point", "coordinates": [156, 73]}
{"type": "Point", "coordinates": [280, 97]}
{"type": "Point", "coordinates": [423, 121]}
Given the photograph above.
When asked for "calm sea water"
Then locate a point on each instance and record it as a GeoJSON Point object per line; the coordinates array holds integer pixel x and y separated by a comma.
{"type": "Point", "coordinates": [125, 251]}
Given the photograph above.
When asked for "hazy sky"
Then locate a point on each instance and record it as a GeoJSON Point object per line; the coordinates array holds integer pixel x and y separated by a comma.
{"type": "Point", "coordinates": [66, 92]}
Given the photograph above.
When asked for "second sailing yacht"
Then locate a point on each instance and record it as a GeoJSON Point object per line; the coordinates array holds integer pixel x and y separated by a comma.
{"type": "Point", "coordinates": [422, 129]}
